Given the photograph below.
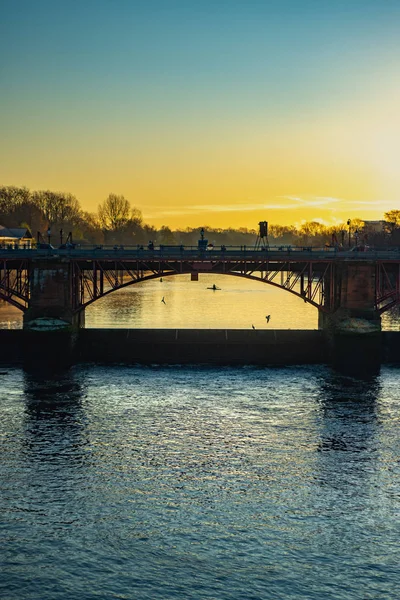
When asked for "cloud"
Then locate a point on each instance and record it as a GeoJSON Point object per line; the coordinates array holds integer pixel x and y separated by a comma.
{"type": "Point", "coordinates": [377, 203]}
{"type": "Point", "coordinates": [310, 201]}
{"type": "Point", "coordinates": [281, 203]}
{"type": "Point", "coordinates": [198, 209]}
{"type": "Point", "coordinates": [285, 203]}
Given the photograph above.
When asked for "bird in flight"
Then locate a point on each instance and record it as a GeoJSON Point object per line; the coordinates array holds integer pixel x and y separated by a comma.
{"type": "Point", "coordinates": [268, 318]}
{"type": "Point", "coordinates": [163, 300]}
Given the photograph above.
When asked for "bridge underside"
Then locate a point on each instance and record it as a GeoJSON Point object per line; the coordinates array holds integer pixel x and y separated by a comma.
{"type": "Point", "coordinates": [327, 285]}
{"type": "Point", "coordinates": [308, 280]}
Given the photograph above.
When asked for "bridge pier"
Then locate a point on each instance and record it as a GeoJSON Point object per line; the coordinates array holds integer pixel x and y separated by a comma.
{"type": "Point", "coordinates": [353, 329]}
{"type": "Point", "coordinates": [50, 323]}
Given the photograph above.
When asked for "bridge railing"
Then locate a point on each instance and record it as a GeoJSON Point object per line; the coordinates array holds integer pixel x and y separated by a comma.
{"type": "Point", "coordinates": [187, 252]}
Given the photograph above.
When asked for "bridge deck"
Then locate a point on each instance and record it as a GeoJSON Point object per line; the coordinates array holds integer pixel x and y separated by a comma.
{"type": "Point", "coordinates": [193, 253]}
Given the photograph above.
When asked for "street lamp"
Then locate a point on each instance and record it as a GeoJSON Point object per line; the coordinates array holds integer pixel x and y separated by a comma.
{"type": "Point", "coordinates": [356, 237]}
{"type": "Point", "coordinates": [349, 223]}
{"type": "Point", "coordinates": [48, 235]}
{"type": "Point", "coordinates": [61, 237]}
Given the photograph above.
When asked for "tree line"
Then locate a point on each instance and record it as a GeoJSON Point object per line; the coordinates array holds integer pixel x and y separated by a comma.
{"type": "Point", "coordinates": [118, 222]}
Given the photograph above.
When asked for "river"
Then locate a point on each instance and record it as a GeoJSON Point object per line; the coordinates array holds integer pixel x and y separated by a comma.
{"type": "Point", "coordinates": [196, 483]}
{"type": "Point", "coordinates": [238, 304]}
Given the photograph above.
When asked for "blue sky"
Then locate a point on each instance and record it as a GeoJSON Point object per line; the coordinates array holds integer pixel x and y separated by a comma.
{"type": "Point", "coordinates": [187, 103]}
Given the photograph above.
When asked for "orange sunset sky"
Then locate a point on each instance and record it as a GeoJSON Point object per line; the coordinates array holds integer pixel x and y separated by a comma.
{"type": "Point", "coordinates": [212, 113]}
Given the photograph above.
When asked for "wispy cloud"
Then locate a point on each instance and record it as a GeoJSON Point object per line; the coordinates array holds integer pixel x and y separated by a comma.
{"type": "Point", "coordinates": [198, 209]}
{"type": "Point", "coordinates": [377, 203]}
{"type": "Point", "coordinates": [313, 200]}
{"type": "Point", "coordinates": [281, 203]}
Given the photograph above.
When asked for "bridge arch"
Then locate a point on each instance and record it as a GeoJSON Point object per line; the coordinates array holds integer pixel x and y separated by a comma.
{"type": "Point", "coordinates": [165, 274]}
{"type": "Point", "coordinates": [316, 279]}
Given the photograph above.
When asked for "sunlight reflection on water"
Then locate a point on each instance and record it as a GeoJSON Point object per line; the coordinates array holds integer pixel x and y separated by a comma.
{"type": "Point", "coordinates": [199, 483]}
{"type": "Point", "coordinates": [239, 304]}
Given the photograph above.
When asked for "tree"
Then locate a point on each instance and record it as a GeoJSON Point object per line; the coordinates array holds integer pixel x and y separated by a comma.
{"type": "Point", "coordinates": [393, 217]}
{"type": "Point", "coordinates": [11, 197]}
{"type": "Point", "coordinates": [165, 236]}
{"type": "Point", "coordinates": [88, 229]}
{"type": "Point", "coordinates": [58, 208]}
{"type": "Point", "coordinates": [116, 212]}
{"type": "Point", "coordinates": [313, 232]}
{"type": "Point", "coordinates": [283, 234]}
{"type": "Point", "coordinates": [17, 209]}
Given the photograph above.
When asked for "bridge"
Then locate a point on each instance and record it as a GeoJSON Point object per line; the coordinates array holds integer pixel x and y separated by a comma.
{"type": "Point", "coordinates": [60, 283]}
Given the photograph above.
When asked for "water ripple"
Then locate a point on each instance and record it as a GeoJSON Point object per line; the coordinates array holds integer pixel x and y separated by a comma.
{"type": "Point", "coordinates": [199, 483]}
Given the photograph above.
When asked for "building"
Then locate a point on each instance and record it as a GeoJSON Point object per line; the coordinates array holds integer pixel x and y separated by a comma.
{"type": "Point", "coordinates": [375, 226]}
{"type": "Point", "coordinates": [16, 237]}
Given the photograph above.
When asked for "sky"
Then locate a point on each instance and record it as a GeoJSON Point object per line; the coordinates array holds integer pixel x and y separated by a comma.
{"type": "Point", "coordinates": [211, 112]}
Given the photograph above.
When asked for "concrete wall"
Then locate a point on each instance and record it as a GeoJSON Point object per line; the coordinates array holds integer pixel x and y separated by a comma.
{"type": "Point", "coordinates": [272, 347]}
{"type": "Point", "coordinates": [216, 346]}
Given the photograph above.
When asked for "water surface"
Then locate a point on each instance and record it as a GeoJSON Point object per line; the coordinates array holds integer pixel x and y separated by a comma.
{"type": "Point", "coordinates": [199, 483]}
{"type": "Point", "coordinates": [239, 304]}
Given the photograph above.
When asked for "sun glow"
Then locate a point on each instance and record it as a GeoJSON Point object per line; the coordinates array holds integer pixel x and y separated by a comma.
{"type": "Point", "coordinates": [216, 117]}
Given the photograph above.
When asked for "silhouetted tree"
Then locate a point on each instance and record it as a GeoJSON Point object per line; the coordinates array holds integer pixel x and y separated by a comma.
{"type": "Point", "coordinates": [119, 221]}
{"type": "Point", "coordinates": [59, 209]}
{"type": "Point", "coordinates": [393, 217]}
{"type": "Point", "coordinates": [165, 236]}
{"type": "Point", "coordinates": [313, 232]}
{"type": "Point", "coordinates": [11, 197]}
{"type": "Point", "coordinates": [114, 212]}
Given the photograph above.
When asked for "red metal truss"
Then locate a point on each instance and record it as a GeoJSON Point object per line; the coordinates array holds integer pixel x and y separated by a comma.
{"type": "Point", "coordinates": [91, 281]}
{"type": "Point", "coordinates": [14, 283]}
{"type": "Point", "coordinates": [315, 281]}
{"type": "Point", "coordinates": [387, 286]}
{"type": "Point", "coordinates": [94, 279]}
{"type": "Point", "coordinates": [309, 280]}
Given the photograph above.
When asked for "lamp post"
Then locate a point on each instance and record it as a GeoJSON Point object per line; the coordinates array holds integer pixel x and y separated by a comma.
{"type": "Point", "coordinates": [61, 237]}
{"type": "Point", "coordinates": [356, 236]}
{"type": "Point", "coordinates": [349, 224]}
{"type": "Point", "coordinates": [48, 235]}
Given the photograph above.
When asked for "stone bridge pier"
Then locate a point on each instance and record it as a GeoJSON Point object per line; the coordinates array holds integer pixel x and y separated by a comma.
{"type": "Point", "coordinates": [50, 323]}
{"type": "Point", "coordinates": [353, 327]}
{"type": "Point", "coordinates": [51, 304]}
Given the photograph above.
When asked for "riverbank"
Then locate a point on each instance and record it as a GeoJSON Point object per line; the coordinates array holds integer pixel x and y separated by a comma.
{"type": "Point", "coordinates": [181, 346]}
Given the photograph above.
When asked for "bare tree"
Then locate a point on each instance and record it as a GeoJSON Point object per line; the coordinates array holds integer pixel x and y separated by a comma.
{"type": "Point", "coordinates": [115, 213]}
{"type": "Point", "coordinates": [58, 208]}
{"type": "Point", "coordinates": [12, 197]}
